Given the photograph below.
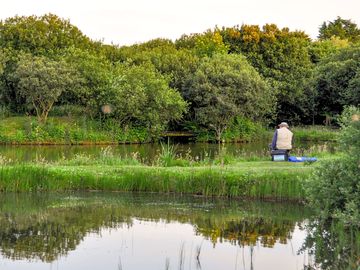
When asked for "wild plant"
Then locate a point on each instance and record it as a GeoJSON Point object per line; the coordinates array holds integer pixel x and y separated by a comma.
{"type": "Point", "coordinates": [80, 159]}
{"type": "Point", "coordinates": [167, 154]}
{"type": "Point", "coordinates": [40, 160]}
{"type": "Point", "coordinates": [197, 256]}
{"type": "Point", "coordinates": [5, 161]}
{"type": "Point", "coordinates": [106, 152]}
{"type": "Point", "coordinates": [182, 257]}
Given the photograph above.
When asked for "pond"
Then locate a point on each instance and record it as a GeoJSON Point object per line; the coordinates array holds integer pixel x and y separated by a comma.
{"type": "Point", "coordinates": [148, 152]}
{"type": "Point", "coordinates": [129, 232]}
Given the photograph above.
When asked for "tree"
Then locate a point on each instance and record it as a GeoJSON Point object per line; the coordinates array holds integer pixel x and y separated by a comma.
{"type": "Point", "coordinates": [174, 63]}
{"type": "Point", "coordinates": [321, 49]}
{"type": "Point", "coordinates": [140, 94]}
{"type": "Point", "coordinates": [352, 93]}
{"type": "Point", "coordinates": [336, 81]}
{"type": "Point", "coordinates": [226, 86]}
{"type": "Point", "coordinates": [42, 35]}
{"type": "Point", "coordinates": [96, 73]}
{"type": "Point", "coordinates": [205, 44]}
{"type": "Point", "coordinates": [344, 29]}
{"type": "Point", "coordinates": [282, 57]}
{"type": "Point", "coordinates": [3, 58]}
{"type": "Point", "coordinates": [41, 81]}
{"type": "Point", "coordinates": [334, 189]}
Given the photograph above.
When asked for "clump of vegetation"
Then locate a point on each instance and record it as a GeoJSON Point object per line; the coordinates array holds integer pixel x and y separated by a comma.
{"type": "Point", "coordinates": [315, 133]}
{"type": "Point", "coordinates": [260, 180]}
{"type": "Point", "coordinates": [69, 130]}
{"type": "Point", "coordinates": [222, 84]}
{"type": "Point", "coordinates": [334, 189]}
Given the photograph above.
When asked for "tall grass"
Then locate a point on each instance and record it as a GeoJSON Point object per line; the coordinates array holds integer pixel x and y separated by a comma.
{"type": "Point", "coordinates": [167, 156]}
{"type": "Point", "coordinates": [68, 130]}
{"type": "Point", "coordinates": [105, 157]}
{"type": "Point", "coordinates": [261, 182]}
{"type": "Point", "coordinates": [226, 175]}
{"type": "Point", "coordinates": [315, 133]}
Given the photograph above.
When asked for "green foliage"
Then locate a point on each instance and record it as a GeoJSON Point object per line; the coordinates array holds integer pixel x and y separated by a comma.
{"type": "Point", "coordinates": [41, 81]}
{"type": "Point", "coordinates": [139, 93]}
{"type": "Point", "coordinates": [9, 96]}
{"type": "Point", "coordinates": [140, 85]}
{"type": "Point", "coordinates": [315, 133]}
{"type": "Point", "coordinates": [336, 82]}
{"type": "Point", "coordinates": [208, 43]}
{"type": "Point", "coordinates": [282, 57]}
{"type": "Point", "coordinates": [96, 73]}
{"type": "Point", "coordinates": [3, 58]}
{"type": "Point", "coordinates": [69, 130]}
{"type": "Point", "coordinates": [243, 130]}
{"type": "Point", "coordinates": [341, 28]}
{"type": "Point", "coordinates": [177, 64]}
{"type": "Point", "coordinates": [68, 110]}
{"type": "Point", "coordinates": [167, 155]}
{"type": "Point", "coordinates": [253, 180]}
{"type": "Point", "coordinates": [44, 35]}
{"type": "Point", "coordinates": [334, 189]}
{"type": "Point", "coordinates": [322, 49]}
{"type": "Point", "coordinates": [350, 135]}
{"type": "Point", "coordinates": [333, 245]}
{"type": "Point", "coordinates": [226, 86]}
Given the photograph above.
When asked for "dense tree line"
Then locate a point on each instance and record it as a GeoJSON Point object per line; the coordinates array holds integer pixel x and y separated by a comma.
{"type": "Point", "coordinates": [200, 81]}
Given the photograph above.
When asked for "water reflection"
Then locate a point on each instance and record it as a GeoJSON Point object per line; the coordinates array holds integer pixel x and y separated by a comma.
{"type": "Point", "coordinates": [333, 245]}
{"type": "Point", "coordinates": [118, 231]}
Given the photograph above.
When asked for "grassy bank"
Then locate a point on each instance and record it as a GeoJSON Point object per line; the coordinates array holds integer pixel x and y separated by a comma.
{"type": "Point", "coordinates": [265, 180]}
{"type": "Point", "coordinates": [67, 130]}
{"type": "Point", "coordinates": [81, 130]}
{"type": "Point", "coordinates": [224, 175]}
{"type": "Point", "coordinates": [315, 133]}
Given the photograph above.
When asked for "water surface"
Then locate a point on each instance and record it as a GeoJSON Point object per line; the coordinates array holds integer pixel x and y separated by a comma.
{"type": "Point", "coordinates": [124, 231]}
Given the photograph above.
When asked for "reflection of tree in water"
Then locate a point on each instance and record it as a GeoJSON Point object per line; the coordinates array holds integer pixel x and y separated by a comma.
{"type": "Point", "coordinates": [49, 235]}
{"type": "Point", "coordinates": [45, 228]}
{"type": "Point", "coordinates": [333, 245]}
{"type": "Point", "coordinates": [247, 232]}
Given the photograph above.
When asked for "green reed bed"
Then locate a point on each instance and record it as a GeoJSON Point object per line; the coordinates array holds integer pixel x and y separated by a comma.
{"type": "Point", "coordinates": [265, 180]}
{"type": "Point", "coordinates": [315, 133]}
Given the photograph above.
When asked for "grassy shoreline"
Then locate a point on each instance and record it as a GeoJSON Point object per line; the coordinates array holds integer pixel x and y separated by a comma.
{"type": "Point", "coordinates": [225, 176]}
{"type": "Point", "coordinates": [25, 130]}
{"type": "Point", "coordinates": [257, 180]}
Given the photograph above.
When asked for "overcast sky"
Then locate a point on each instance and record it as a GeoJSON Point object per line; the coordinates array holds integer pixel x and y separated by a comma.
{"type": "Point", "coordinates": [125, 22]}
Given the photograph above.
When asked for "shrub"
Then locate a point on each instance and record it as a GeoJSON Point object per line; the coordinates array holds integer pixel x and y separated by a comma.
{"type": "Point", "coordinates": [334, 189]}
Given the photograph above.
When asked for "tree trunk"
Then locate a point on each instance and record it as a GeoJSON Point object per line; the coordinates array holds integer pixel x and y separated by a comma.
{"type": "Point", "coordinates": [218, 132]}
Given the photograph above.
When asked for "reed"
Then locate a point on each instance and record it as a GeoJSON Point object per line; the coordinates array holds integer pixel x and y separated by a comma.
{"type": "Point", "coordinates": [315, 133]}
{"type": "Point", "coordinates": [264, 180]}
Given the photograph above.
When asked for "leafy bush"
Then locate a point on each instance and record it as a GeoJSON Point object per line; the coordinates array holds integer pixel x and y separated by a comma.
{"type": "Point", "coordinates": [4, 111]}
{"type": "Point", "coordinates": [240, 129]}
{"type": "Point", "coordinates": [68, 110]}
{"type": "Point", "coordinates": [334, 189]}
{"type": "Point", "coordinates": [243, 129]}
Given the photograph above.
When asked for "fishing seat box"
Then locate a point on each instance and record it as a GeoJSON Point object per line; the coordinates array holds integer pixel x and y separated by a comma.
{"type": "Point", "coordinates": [279, 155]}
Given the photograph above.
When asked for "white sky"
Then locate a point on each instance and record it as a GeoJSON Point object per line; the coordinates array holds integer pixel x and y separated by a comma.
{"type": "Point", "coordinates": [125, 22]}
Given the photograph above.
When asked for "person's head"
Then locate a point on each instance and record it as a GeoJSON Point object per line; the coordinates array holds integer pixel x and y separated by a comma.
{"type": "Point", "coordinates": [283, 124]}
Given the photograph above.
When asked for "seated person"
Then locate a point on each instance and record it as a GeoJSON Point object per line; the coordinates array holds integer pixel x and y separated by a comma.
{"type": "Point", "coordinates": [283, 138]}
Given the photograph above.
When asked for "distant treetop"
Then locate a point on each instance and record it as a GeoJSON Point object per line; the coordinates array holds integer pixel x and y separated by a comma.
{"type": "Point", "coordinates": [41, 35]}
{"type": "Point", "coordinates": [344, 29]}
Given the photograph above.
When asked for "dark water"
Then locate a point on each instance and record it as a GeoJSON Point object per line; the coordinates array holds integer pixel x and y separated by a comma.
{"type": "Point", "coordinates": [122, 231]}
{"type": "Point", "coordinates": [148, 152]}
